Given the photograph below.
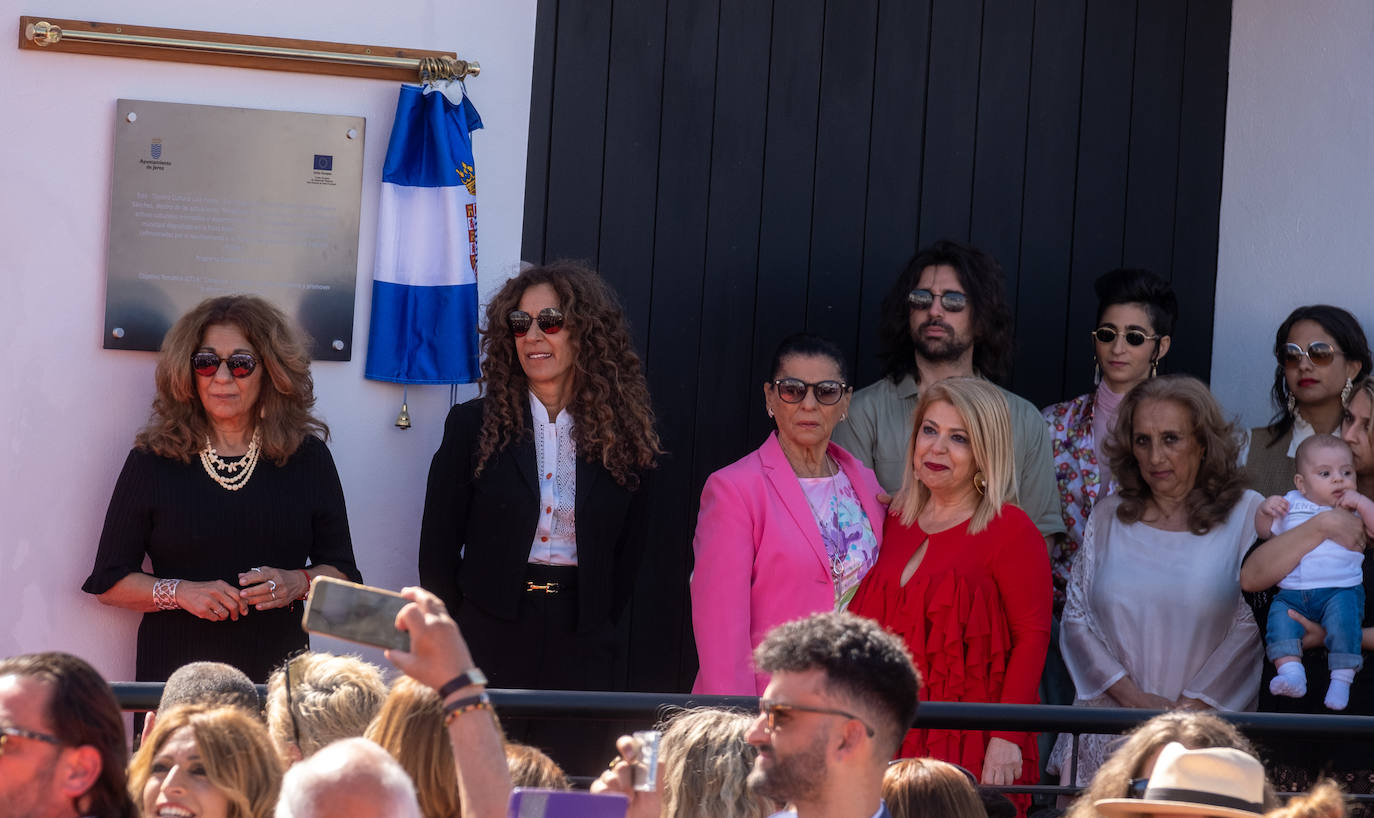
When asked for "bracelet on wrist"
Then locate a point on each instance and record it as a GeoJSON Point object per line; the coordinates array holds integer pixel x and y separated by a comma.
{"type": "Point", "coordinates": [165, 594]}
{"type": "Point", "coordinates": [308, 582]}
{"type": "Point", "coordinates": [471, 676]}
{"type": "Point", "coordinates": [458, 707]}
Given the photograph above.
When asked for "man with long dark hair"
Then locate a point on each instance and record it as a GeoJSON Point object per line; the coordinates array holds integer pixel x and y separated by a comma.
{"type": "Point", "coordinates": [946, 316]}
{"type": "Point", "coordinates": [62, 745]}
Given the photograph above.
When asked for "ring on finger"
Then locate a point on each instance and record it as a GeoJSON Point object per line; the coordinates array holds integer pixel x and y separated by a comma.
{"type": "Point", "coordinates": [272, 585]}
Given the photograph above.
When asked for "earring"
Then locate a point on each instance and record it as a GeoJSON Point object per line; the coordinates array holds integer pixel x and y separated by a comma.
{"type": "Point", "coordinates": [1097, 372]}
{"type": "Point", "coordinates": [770, 413]}
{"type": "Point", "coordinates": [1346, 390]}
{"type": "Point", "coordinates": [1292, 402]}
{"type": "Point", "coordinates": [844, 417]}
{"type": "Point", "coordinates": [980, 482]}
{"type": "Point", "coordinates": [1154, 368]}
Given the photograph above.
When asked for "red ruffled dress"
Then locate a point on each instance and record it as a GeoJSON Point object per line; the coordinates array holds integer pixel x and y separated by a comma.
{"type": "Point", "coordinates": [976, 617]}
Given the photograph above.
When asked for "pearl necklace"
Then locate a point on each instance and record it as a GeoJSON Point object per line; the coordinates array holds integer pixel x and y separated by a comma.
{"type": "Point", "coordinates": [239, 472]}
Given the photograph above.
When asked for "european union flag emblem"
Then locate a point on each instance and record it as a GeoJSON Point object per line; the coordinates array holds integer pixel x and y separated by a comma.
{"type": "Point", "coordinates": [323, 162]}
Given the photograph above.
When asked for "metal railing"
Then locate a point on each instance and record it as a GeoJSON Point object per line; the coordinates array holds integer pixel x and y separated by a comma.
{"type": "Point", "coordinates": [649, 708]}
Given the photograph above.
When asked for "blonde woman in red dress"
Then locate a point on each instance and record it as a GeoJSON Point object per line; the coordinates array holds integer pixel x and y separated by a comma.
{"type": "Point", "coordinates": [963, 577]}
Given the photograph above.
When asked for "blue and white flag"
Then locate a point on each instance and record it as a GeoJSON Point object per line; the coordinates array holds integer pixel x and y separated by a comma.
{"type": "Point", "coordinates": [424, 289]}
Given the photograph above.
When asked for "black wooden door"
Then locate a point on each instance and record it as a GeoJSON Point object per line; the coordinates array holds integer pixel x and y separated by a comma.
{"type": "Point", "coordinates": [744, 169]}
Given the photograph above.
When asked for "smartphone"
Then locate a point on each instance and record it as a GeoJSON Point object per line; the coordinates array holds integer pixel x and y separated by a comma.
{"type": "Point", "coordinates": [358, 613]}
{"type": "Point", "coordinates": [646, 765]}
{"type": "Point", "coordinates": [533, 803]}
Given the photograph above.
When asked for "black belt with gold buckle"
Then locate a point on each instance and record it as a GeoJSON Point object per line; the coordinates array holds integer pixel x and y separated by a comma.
{"type": "Point", "coordinates": [550, 588]}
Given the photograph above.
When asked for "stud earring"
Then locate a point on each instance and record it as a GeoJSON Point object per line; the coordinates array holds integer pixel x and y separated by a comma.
{"type": "Point", "coordinates": [1346, 390]}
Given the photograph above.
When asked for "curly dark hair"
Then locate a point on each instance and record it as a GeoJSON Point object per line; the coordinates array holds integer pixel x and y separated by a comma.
{"type": "Point", "coordinates": [1219, 483]}
{"type": "Point", "coordinates": [861, 661]}
{"type": "Point", "coordinates": [981, 277]}
{"type": "Point", "coordinates": [610, 402]}
{"type": "Point", "coordinates": [178, 425]}
{"type": "Point", "coordinates": [82, 710]}
{"type": "Point", "coordinates": [1343, 328]}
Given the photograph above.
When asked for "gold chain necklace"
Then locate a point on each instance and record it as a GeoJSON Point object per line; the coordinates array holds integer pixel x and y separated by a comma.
{"type": "Point", "coordinates": [239, 472]}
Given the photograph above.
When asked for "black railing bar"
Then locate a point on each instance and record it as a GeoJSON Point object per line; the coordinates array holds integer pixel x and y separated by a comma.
{"type": "Point", "coordinates": [597, 705]}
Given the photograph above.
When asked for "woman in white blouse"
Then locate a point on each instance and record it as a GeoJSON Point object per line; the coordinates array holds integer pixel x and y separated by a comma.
{"type": "Point", "coordinates": [1154, 617]}
{"type": "Point", "coordinates": [537, 505]}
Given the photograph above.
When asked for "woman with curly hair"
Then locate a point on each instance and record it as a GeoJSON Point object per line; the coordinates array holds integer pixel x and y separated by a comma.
{"type": "Point", "coordinates": [537, 503]}
{"type": "Point", "coordinates": [232, 494]}
{"type": "Point", "coordinates": [210, 762]}
{"type": "Point", "coordinates": [1155, 617]}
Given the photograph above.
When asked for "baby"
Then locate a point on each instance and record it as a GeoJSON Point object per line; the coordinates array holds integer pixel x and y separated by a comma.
{"type": "Point", "coordinates": [1326, 585]}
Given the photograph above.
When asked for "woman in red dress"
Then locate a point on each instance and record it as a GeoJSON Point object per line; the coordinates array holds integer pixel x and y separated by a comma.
{"type": "Point", "coordinates": [963, 577]}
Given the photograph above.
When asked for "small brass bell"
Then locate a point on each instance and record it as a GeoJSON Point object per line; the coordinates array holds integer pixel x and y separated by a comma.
{"type": "Point", "coordinates": [403, 419]}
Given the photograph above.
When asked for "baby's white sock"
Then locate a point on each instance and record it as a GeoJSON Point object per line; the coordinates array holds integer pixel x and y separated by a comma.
{"type": "Point", "coordinates": [1292, 681]}
{"type": "Point", "coordinates": [1338, 694]}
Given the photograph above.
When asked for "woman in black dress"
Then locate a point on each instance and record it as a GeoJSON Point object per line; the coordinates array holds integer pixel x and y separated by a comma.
{"type": "Point", "coordinates": [231, 493]}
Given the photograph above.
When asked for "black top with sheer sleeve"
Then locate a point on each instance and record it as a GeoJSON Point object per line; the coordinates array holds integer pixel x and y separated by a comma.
{"type": "Point", "coordinates": [190, 528]}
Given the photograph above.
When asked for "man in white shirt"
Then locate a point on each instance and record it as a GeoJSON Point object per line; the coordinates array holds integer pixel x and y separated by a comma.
{"type": "Point", "coordinates": [840, 700]}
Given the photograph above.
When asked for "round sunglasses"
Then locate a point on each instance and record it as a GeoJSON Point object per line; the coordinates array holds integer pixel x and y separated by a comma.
{"type": "Point", "coordinates": [950, 300]}
{"type": "Point", "coordinates": [793, 390]}
{"type": "Point", "coordinates": [241, 364]}
{"type": "Point", "coordinates": [1134, 337]}
{"type": "Point", "coordinates": [1320, 353]}
{"type": "Point", "coordinates": [550, 320]}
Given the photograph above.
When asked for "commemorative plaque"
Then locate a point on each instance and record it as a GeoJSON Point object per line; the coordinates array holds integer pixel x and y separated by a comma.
{"type": "Point", "coordinates": [209, 201]}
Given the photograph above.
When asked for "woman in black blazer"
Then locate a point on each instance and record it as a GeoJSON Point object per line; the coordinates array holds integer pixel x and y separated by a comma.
{"type": "Point", "coordinates": [537, 504]}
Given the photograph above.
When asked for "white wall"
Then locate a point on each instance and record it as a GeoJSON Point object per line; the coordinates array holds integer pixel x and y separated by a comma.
{"type": "Point", "coordinates": [1297, 204]}
{"type": "Point", "coordinates": [69, 409]}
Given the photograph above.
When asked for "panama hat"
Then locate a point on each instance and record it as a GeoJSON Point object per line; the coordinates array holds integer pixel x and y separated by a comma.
{"type": "Point", "coordinates": [1218, 781]}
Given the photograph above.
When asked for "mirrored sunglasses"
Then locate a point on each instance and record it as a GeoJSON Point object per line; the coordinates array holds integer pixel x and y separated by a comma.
{"type": "Point", "coordinates": [1319, 353]}
{"type": "Point", "coordinates": [241, 364]}
{"type": "Point", "coordinates": [1134, 337]}
{"type": "Point", "coordinates": [550, 320]}
{"type": "Point", "coordinates": [793, 390]}
{"type": "Point", "coordinates": [950, 300]}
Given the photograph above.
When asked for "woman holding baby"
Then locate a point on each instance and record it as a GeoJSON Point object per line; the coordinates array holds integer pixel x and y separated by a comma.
{"type": "Point", "coordinates": [1274, 562]}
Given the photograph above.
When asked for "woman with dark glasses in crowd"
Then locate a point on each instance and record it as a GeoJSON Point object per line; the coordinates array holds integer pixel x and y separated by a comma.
{"type": "Point", "coordinates": [1136, 312]}
{"type": "Point", "coordinates": [788, 530]}
{"type": "Point", "coordinates": [537, 505]}
{"type": "Point", "coordinates": [1321, 352]}
{"type": "Point", "coordinates": [232, 494]}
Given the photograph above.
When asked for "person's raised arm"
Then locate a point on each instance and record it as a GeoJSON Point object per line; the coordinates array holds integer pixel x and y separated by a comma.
{"type": "Point", "coordinates": [437, 656]}
{"type": "Point", "coordinates": [1274, 559]}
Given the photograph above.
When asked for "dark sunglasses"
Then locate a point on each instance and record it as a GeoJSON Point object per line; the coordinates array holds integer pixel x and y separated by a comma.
{"type": "Point", "coordinates": [793, 390]}
{"type": "Point", "coordinates": [9, 731]}
{"type": "Point", "coordinates": [1320, 353]}
{"type": "Point", "coordinates": [550, 320]}
{"type": "Point", "coordinates": [1134, 337]}
{"type": "Point", "coordinates": [950, 300]}
{"type": "Point", "coordinates": [1137, 787]}
{"type": "Point", "coordinates": [771, 710]}
{"type": "Point", "coordinates": [241, 364]}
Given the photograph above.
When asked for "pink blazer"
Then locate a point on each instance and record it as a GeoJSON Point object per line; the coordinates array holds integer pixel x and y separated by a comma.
{"type": "Point", "coordinates": [760, 561]}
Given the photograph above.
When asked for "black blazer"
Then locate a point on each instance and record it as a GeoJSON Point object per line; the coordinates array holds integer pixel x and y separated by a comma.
{"type": "Point", "coordinates": [494, 517]}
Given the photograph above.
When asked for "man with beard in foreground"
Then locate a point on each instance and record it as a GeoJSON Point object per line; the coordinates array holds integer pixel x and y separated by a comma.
{"type": "Point", "coordinates": [841, 697]}
{"type": "Point", "coordinates": [946, 316]}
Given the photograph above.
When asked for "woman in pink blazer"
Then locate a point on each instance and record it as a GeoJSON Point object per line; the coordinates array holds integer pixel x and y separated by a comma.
{"type": "Point", "coordinates": [786, 531]}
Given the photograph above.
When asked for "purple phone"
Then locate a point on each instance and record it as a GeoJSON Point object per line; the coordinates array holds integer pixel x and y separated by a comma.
{"type": "Point", "coordinates": [532, 803]}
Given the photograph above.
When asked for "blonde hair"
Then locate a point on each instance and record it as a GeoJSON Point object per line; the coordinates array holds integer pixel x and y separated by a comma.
{"type": "Point", "coordinates": [332, 697]}
{"type": "Point", "coordinates": [1325, 800]}
{"type": "Point", "coordinates": [987, 420]}
{"type": "Point", "coordinates": [410, 726]}
{"type": "Point", "coordinates": [706, 763]}
{"type": "Point", "coordinates": [913, 787]}
{"type": "Point", "coordinates": [238, 755]}
{"type": "Point", "coordinates": [1196, 731]}
{"type": "Point", "coordinates": [530, 767]}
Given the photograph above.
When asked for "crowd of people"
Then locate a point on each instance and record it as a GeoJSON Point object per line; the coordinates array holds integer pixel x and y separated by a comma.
{"type": "Point", "coordinates": [1130, 547]}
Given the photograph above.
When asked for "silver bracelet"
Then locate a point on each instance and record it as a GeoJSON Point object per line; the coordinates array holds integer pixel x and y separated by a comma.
{"type": "Point", "coordinates": [165, 594]}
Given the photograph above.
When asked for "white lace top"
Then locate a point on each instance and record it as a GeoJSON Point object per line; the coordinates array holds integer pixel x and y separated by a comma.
{"type": "Point", "coordinates": [555, 456]}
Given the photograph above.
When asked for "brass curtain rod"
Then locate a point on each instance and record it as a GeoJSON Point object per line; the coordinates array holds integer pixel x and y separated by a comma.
{"type": "Point", "coordinates": [244, 51]}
